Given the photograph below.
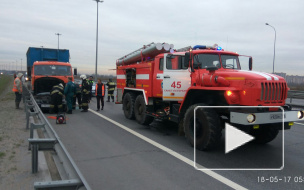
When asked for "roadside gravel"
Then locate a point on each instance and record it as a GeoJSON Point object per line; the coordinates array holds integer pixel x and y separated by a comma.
{"type": "Point", "coordinates": [15, 158]}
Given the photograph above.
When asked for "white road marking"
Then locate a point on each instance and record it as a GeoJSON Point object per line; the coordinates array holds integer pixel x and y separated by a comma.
{"type": "Point", "coordinates": [216, 176]}
{"type": "Point", "coordinates": [299, 123]}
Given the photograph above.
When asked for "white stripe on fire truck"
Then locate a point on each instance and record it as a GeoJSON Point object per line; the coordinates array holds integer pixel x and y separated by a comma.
{"type": "Point", "coordinates": [121, 76]}
{"type": "Point", "coordinates": [142, 76]}
{"type": "Point", "coordinates": [259, 73]}
{"type": "Point", "coordinates": [275, 78]}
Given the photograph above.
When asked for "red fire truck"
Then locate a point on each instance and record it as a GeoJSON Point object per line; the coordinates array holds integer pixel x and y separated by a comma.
{"type": "Point", "coordinates": [156, 81]}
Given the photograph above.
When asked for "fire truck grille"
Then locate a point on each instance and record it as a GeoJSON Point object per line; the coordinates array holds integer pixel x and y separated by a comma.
{"type": "Point", "coordinates": [273, 91]}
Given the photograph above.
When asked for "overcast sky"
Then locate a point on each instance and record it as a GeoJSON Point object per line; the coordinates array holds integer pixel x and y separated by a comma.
{"type": "Point", "coordinates": [124, 26]}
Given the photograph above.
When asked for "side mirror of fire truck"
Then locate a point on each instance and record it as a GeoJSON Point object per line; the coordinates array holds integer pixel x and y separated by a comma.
{"type": "Point", "coordinates": [250, 63]}
{"type": "Point", "coordinates": [186, 59]}
{"type": "Point", "coordinates": [75, 71]}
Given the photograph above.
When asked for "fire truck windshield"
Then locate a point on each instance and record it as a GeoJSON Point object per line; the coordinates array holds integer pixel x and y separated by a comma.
{"type": "Point", "coordinates": [52, 70]}
{"type": "Point", "coordinates": [230, 62]}
{"type": "Point", "coordinates": [210, 60]}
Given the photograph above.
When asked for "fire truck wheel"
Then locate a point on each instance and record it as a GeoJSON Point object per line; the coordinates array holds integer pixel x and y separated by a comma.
{"type": "Point", "coordinates": [128, 105]}
{"type": "Point", "coordinates": [265, 134]}
{"type": "Point", "coordinates": [208, 128]}
{"type": "Point", "coordinates": [140, 111]}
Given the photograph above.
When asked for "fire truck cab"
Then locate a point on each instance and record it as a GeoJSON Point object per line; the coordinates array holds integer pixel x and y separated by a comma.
{"type": "Point", "coordinates": [159, 82]}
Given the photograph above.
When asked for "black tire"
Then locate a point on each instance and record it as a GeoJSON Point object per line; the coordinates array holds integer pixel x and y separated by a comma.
{"type": "Point", "coordinates": [140, 109]}
{"type": "Point", "coordinates": [128, 105]}
{"type": "Point", "coordinates": [265, 134]}
{"type": "Point", "coordinates": [208, 128]}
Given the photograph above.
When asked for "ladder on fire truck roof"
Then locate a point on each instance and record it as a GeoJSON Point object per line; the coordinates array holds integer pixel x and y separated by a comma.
{"type": "Point", "coordinates": [146, 52]}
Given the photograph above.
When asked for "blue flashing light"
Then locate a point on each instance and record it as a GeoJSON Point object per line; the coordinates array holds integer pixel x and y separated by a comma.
{"type": "Point", "coordinates": [215, 47]}
{"type": "Point", "coordinates": [199, 47]}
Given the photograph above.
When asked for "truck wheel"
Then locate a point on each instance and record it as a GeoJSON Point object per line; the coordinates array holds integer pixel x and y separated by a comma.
{"type": "Point", "coordinates": [128, 105]}
{"type": "Point", "coordinates": [208, 129]}
{"type": "Point", "coordinates": [265, 134]}
{"type": "Point", "coordinates": [140, 111]}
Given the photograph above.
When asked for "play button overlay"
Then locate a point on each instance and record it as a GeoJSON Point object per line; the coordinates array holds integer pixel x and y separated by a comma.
{"type": "Point", "coordinates": [236, 149]}
{"type": "Point", "coordinates": [235, 138]}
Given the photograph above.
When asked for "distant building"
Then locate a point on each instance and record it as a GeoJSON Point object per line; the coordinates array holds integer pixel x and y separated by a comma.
{"type": "Point", "coordinates": [281, 74]}
{"type": "Point", "coordinates": [292, 79]}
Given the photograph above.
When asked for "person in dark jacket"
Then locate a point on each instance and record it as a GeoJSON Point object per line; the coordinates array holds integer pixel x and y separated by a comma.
{"type": "Point", "coordinates": [85, 92]}
{"type": "Point", "coordinates": [111, 87]}
{"type": "Point", "coordinates": [99, 93]}
{"type": "Point", "coordinates": [56, 98]}
{"type": "Point", "coordinates": [69, 92]}
{"type": "Point", "coordinates": [91, 82]}
{"type": "Point", "coordinates": [77, 96]}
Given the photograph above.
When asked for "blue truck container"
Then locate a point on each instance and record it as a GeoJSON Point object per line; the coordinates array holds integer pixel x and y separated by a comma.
{"type": "Point", "coordinates": [45, 54]}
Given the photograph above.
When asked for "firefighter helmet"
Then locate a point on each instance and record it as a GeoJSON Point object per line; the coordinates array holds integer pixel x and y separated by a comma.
{"type": "Point", "coordinates": [83, 77]}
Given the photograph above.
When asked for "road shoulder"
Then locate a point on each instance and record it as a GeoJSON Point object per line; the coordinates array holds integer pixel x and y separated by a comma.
{"type": "Point", "coordinates": [15, 158]}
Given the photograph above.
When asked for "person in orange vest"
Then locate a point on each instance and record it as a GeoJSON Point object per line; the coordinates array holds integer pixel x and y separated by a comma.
{"type": "Point", "coordinates": [17, 88]}
{"type": "Point", "coordinates": [99, 93]}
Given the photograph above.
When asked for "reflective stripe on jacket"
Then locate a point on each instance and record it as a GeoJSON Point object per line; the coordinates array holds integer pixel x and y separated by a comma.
{"type": "Point", "coordinates": [111, 86]}
{"type": "Point", "coordinates": [102, 89]}
{"type": "Point", "coordinates": [57, 89]}
{"type": "Point", "coordinates": [85, 87]}
{"type": "Point", "coordinates": [91, 83]}
{"type": "Point", "coordinates": [17, 85]}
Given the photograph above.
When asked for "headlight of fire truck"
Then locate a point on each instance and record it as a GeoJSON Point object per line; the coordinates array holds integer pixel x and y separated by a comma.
{"type": "Point", "coordinates": [232, 96]}
{"type": "Point", "coordinates": [251, 118]}
{"type": "Point", "coordinates": [300, 114]}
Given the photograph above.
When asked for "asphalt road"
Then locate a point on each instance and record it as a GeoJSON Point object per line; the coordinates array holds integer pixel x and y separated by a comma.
{"type": "Point", "coordinates": [110, 157]}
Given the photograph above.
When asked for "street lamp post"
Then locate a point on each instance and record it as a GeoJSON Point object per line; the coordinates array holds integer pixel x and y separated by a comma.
{"type": "Point", "coordinates": [97, 1]}
{"type": "Point", "coordinates": [21, 64]}
{"type": "Point", "coordinates": [58, 38]}
{"type": "Point", "coordinates": [275, 37]}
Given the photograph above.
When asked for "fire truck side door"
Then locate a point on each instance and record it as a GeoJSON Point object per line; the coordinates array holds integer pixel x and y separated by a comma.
{"type": "Point", "coordinates": [176, 78]}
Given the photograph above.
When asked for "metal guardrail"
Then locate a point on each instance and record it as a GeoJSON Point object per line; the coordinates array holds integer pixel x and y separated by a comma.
{"type": "Point", "coordinates": [294, 94]}
{"type": "Point", "coordinates": [71, 175]}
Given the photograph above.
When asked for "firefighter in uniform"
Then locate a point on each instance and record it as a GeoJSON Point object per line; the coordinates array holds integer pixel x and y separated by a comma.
{"type": "Point", "coordinates": [78, 96]}
{"type": "Point", "coordinates": [99, 93]}
{"type": "Point", "coordinates": [17, 88]}
{"type": "Point", "coordinates": [91, 84]}
{"type": "Point", "coordinates": [69, 92]}
{"type": "Point", "coordinates": [111, 88]}
{"type": "Point", "coordinates": [56, 98]}
{"type": "Point", "coordinates": [85, 92]}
